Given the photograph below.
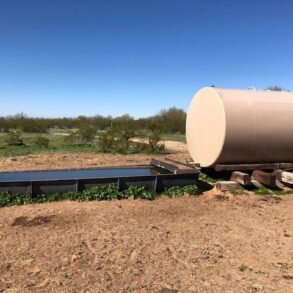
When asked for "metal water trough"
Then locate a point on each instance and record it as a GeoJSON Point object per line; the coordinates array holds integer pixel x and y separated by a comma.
{"type": "Point", "coordinates": [43, 182]}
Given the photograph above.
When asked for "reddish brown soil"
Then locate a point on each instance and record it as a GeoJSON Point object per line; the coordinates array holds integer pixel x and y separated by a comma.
{"type": "Point", "coordinates": [188, 244]}
{"type": "Point", "coordinates": [63, 160]}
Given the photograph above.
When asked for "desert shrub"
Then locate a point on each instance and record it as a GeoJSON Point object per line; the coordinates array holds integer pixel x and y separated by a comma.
{"type": "Point", "coordinates": [71, 139]}
{"type": "Point", "coordinates": [106, 142]}
{"type": "Point", "coordinates": [154, 143]}
{"type": "Point", "coordinates": [86, 132]}
{"type": "Point", "coordinates": [171, 120]}
{"type": "Point", "coordinates": [120, 139]}
{"type": "Point", "coordinates": [154, 138]}
{"type": "Point", "coordinates": [123, 133]}
{"type": "Point", "coordinates": [117, 140]}
{"type": "Point", "coordinates": [32, 125]}
{"type": "Point", "coordinates": [41, 141]}
{"type": "Point", "coordinates": [14, 138]}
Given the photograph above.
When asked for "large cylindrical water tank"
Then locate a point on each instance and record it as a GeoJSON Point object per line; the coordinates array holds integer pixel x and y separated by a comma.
{"type": "Point", "coordinates": [231, 126]}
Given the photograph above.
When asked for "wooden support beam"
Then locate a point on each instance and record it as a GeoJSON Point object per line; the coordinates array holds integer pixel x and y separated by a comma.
{"type": "Point", "coordinates": [228, 185]}
{"type": "Point", "coordinates": [256, 183]}
{"type": "Point", "coordinates": [243, 167]}
{"type": "Point", "coordinates": [265, 178]}
{"type": "Point", "coordinates": [241, 178]}
{"type": "Point", "coordinates": [284, 176]}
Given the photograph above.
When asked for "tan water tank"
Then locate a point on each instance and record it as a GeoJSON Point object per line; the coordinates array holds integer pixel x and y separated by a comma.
{"type": "Point", "coordinates": [240, 126]}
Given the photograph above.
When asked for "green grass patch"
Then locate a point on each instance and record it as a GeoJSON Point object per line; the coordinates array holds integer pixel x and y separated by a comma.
{"type": "Point", "coordinates": [174, 137]}
{"type": "Point", "coordinates": [176, 191]}
{"type": "Point", "coordinates": [51, 142]}
{"type": "Point", "coordinates": [99, 192]}
{"type": "Point", "coordinates": [206, 178]}
{"type": "Point", "coordinates": [238, 192]}
{"type": "Point", "coordinates": [32, 145]}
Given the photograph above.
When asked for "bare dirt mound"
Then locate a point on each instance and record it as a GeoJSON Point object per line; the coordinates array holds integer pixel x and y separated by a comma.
{"type": "Point", "coordinates": [63, 160]}
{"type": "Point", "coordinates": [187, 244]}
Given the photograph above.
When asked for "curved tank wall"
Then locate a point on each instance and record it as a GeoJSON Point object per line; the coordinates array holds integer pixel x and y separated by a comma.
{"type": "Point", "coordinates": [240, 126]}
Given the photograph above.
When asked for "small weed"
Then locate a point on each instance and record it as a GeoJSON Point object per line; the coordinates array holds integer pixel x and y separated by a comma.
{"type": "Point", "coordinates": [191, 189]}
{"type": "Point", "coordinates": [238, 192]}
{"type": "Point", "coordinates": [263, 191]}
{"type": "Point", "coordinates": [204, 177]}
{"type": "Point", "coordinates": [100, 192]}
{"type": "Point", "coordinates": [289, 191]}
{"type": "Point", "coordinates": [243, 268]}
{"type": "Point", "coordinates": [142, 192]}
{"type": "Point", "coordinates": [175, 191]}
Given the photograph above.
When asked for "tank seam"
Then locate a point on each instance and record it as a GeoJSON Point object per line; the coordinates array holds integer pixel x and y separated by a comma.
{"type": "Point", "coordinates": [225, 119]}
{"type": "Point", "coordinates": [252, 144]}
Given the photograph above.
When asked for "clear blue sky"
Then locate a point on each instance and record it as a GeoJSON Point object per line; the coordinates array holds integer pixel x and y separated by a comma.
{"type": "Point", "coordinates": [87, 57]}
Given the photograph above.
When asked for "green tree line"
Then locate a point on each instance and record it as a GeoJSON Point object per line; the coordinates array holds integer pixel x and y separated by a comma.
{"type": "Point", "coordinates": [171, 120]}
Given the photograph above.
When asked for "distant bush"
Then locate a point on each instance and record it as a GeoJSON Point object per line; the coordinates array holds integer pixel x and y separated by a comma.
{"type": "Point", "coordinates": [275, 88]}
{"type": "Point", "coordinates": [14, 138]}
{"type": "Point", "coordinates": [154, 138]}
{"type": "Point", "coordinates": [71, 139]}
{"type": "Point", "coordinates": [32, 126]}
{"type": "Point", "coordinates": [106, 142]}
{"type": "Point", "coordinates": [118, 139]}
{"type": "Point", "coordinates": [121, 139]}
{"type": "Point", "coordinates": [41, 141]}
{"type": "Point", "coordinates": [86, 132]}
{"type": "Point", "coordinates": [171, 120]}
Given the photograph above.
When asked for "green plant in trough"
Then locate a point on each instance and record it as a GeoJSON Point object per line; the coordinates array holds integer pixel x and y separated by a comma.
{"type": "Point", "coordinates": [8, 199]}
{"type": "Point", "coordinates": [142, 192]}
{"type": "Point", "coordinates": [98, 192]}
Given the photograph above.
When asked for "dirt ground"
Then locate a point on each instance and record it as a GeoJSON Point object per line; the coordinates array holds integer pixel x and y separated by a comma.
{"type": "Point", "coordinates": [64, 160]}
{"type": "Point", "coordinates": [211, 243]}
{"type": "Point", "coordinates": [188, 244]}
